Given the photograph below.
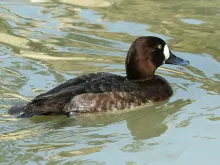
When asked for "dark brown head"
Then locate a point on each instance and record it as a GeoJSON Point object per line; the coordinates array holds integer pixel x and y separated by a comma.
{"type": "Point", "coordinates": [146, 54]}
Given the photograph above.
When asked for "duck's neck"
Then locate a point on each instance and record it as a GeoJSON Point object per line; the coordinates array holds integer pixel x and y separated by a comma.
{"type": "Point", "coordinates": [139, 69]}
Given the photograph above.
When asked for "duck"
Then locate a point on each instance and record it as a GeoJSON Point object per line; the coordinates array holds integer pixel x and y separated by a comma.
{"type": "Point", "coordinates": [102, 91]}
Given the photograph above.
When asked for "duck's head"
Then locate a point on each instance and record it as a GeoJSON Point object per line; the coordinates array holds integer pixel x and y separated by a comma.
{"type": "Point", "coordinates": [146, 54]}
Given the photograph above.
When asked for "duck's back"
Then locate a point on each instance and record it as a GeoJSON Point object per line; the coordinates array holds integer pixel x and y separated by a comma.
{"type": "Point", "coordinates": [95, 92]}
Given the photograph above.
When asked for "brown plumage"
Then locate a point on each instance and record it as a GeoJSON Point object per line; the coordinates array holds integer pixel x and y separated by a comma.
{"type": "Point", "coordinates": [96, 92]}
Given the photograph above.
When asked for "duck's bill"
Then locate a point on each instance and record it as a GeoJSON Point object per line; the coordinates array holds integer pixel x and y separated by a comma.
{"type": "Point", "coordinates": [176, 60]}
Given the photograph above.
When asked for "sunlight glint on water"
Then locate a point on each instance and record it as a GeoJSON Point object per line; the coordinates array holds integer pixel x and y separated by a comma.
{"type": "Point", "coordinates": [43, 43]}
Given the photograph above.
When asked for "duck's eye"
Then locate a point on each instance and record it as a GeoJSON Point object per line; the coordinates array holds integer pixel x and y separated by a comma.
{"type": "Point", "coordinates": [159, 46]}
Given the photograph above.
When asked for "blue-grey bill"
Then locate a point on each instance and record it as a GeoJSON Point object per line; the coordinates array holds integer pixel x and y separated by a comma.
{"type": "Point", "coordinates": [176, 60]}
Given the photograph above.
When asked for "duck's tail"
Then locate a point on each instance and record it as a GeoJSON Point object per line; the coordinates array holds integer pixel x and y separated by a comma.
{"type": "Point", "coordinates": [17, 110]}
{"type": "Point", "coordinates": [20, 111]}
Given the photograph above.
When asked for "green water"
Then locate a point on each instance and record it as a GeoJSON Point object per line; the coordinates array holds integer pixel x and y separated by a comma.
{"type": "Point", "coordinates": [45, 42]}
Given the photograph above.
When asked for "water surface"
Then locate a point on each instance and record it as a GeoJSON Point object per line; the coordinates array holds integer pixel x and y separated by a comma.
{"type": "Point", "coordinates": [45, 42]}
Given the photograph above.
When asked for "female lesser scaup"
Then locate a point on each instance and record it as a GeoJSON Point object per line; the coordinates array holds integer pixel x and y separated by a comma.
{"type": "Point", "coordinates": [96, 92]}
